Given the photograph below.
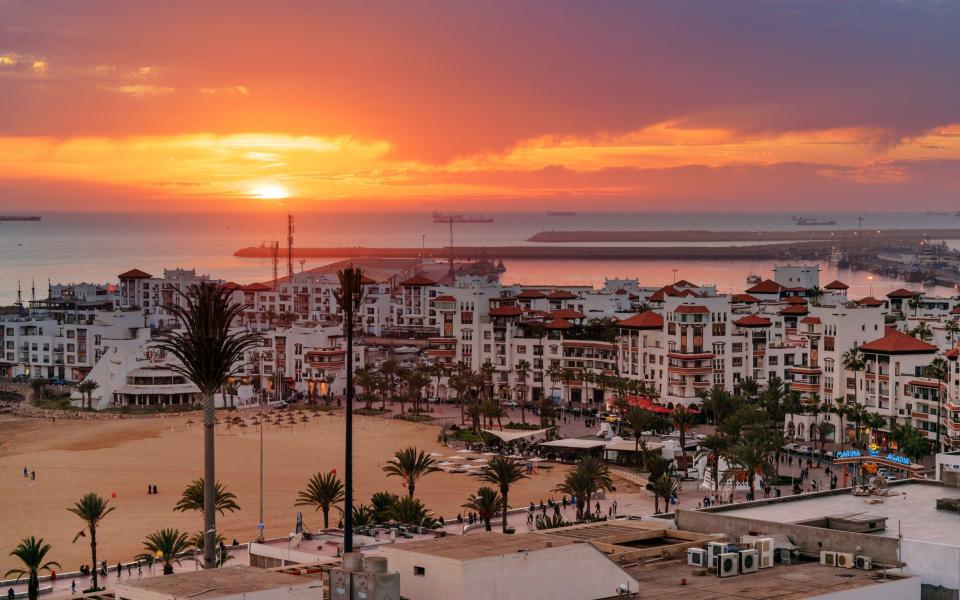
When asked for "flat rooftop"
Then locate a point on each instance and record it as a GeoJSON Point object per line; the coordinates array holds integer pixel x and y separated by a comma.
{"type": "Point", "coordinates": [481, 545]}
{"type": "Point", "coordinates": [664, 581]}
{"type": "Point", "coordinates": [915, 508]}
{"type": "Point", "coordinates": [216, 583]}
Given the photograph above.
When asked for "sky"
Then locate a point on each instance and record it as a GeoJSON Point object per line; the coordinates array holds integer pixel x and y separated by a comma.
{"type": "Point", "coordinates": [604, 105]}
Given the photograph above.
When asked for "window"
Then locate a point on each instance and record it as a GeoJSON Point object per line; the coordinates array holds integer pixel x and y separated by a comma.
{"type": "Point", "coordinates": [419, 571]}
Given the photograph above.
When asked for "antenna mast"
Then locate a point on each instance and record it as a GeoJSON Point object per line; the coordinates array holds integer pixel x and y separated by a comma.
{"type": "Point", "coordinates": [290, 246]}
{"type": "Point", "coordinates": [275, 251]}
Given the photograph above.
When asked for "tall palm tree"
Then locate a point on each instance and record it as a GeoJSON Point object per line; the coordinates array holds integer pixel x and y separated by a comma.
{"type": "Point", "coordinates": [503, 471]}
{"type": "Point", "coordinates": [922, 332]}
{"type": "Point", "coordinates": [193, 494]}
{"type": "Point", "coordinates": [390, 368]}
{"type": "Point", "coordinates": [209, 352]}
{"type": "Point", "coordinates": [638, 420]}
{"type": "Point", "coordinates": [588, 476]}
{"type": "Point", "coordinates": [91, 508]}
{"type": "Point", "coordinates": [682, 421]}
{"type": "Point", "coordinates": [939, 369]}
{"type": "Point", "coordinates": [414, 381]}
{"type": "Point", "coordinates": [523, 371]}
{"type": "Point", "coordinates": [461, 381]}
{"type": "Point", "coordinates": [487, 502]}
{"type": "Point", "coordinates": [952, 327]}
{"type": "Point", "coordinates": [365, 377]}
{"type": "Point", "coordinates": [86, 389]}
{"type": "Point", "coordinates": [749, 457]}
{"type": "Point", "coordinates": [349, 297]}
{"type": "Point", "coordinates": [410, 464]}
{"type": "Point", "coordinates": [555, 373]}
{"type": "Point", "coordinates": [324, 490]}
{"type": "Point", "coordinates": [167, 545]}
{"type": "Point", "coordinates": [32, 553]}
{"type": "Point", "coordinates": [662, 487]}
{"type": "Point", "coordinates": [712, 448]}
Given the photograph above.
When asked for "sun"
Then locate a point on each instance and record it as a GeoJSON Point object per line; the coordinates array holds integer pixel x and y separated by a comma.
{"type": "Point", "coordinates": [269, 191]}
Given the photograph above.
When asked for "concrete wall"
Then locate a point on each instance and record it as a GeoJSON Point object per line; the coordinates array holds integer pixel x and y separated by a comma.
{"type": "Point", "coordinates": [902, 589]}
{"type": "Point", "coordinates": [936, 564]}
{"type": "Point", "coordinates": [809, 539]}
{"type": "Point", "coordinates": [441, 578]}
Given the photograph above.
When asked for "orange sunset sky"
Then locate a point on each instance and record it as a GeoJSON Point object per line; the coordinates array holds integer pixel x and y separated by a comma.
{"type": "Point", "coordinates": [690, 105]}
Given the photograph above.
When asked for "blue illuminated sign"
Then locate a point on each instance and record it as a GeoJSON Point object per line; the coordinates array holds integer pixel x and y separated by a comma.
{"type": "Point", "coordinates": [903, 460]}
{"type": "Point", "coordinates": [847, 454]}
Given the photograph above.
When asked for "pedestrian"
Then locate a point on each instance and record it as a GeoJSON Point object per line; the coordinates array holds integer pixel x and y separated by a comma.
{"type": "Point", "coordinates": [33, 475]}
{"type": "Point", "coordinates": [11, 594]}
{"type": "Point", "coordinates": [598, 509]}
{"type": "Point", "coordinates": [139, 568]}
{"type": "Point", "coordinates": [119, 570]}
{"type": "Point", "coordinates": [25, 473]}
{"type": "Point", "coordinates": [73, 586]}
{"type": "Point", "coordinates": [130, 569]}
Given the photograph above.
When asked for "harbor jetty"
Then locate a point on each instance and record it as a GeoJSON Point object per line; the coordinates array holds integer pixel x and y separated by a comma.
{"type": "Point", "coordinates": [833, 235]}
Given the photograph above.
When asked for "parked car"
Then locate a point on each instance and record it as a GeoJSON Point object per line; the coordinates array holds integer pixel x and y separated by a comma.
{"type": "Point", "coordinates": [21, 378]}
{"type": "Point", "coordinates": [510, 404]}
{"type": "Point", "coordinates": [804, 449]}
{"type": "Point", "coordinates": [58, 381]}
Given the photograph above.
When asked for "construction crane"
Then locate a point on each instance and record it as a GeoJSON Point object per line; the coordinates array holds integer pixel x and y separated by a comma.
{"type": "Point", "coordinates": [275, 251]}
{"type": "Point", "coordinates": [449, 219]}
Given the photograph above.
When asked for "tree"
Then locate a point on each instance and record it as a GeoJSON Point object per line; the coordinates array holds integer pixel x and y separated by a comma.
{"type": "Point", "coordinates": [32, 552]}
{"type": "Point", "coordinates": [638, 420]}
{"type": "Point", "coordinates": [548, 412]}
{"type": "Point", "coordinates": [821, 431]}
{"type": "Point", "coordinates": [209, 352]}
{"type": "Point", "coordinates": [381, 503]}
{"type": "Point", "coordinates": [939, 369]}
{"type": "Point", "coordinates": [91, 508]}
{"type": "Point", "coordinates": [411, 511]}
{"type": "Point", "coordinates": [712, 449]}
{"type": "Point", "coordinates": [748, 458]}
{"type": "Point", "coordinates": [461, 381]}
{"type": "Point", "coordinates": [487, 502]}
{"type": "Point", "coordinates": [503, 471]}
{"type": "Point", "coordinates": [350, 298]}
{"type": "Point", "coordinates": [167, 545]}
{"type": "Point", "coordinates": [363, 515]}
{"type": "Point", "coordinates": [587, 477]}
{"type": "Point", "coordinates": [922, 332]}
{"type": "Point", "coordinates": [550, 522]}
{"type": "Point", "coordinates": [414, 381]}
{"type": "Point", "coordinates": [193, 494]}
{"type": "Point", "coordinates": [39, 387]}
{"type": "Point", "coordinates": [410, 464]}
{"type": "Point", "coordinates": [323, 491]}
{"type": "Point", "coordinates": [556, 373]}
{"type": "Point", "coordinates": [366, 377]}
{"type": "Point", "coordinates": [682, 420]}
{"type": "Point", "coordinates": [196, 542]}
{"type": "Point", "coordinates": [523, 371]}
{"type": "Point", "coordinates": [662, 487]}
{"type": "Point", "coordinates": [86, 389]}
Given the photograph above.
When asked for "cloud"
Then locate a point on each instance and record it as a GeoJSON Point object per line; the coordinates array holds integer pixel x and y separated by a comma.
{"type": "Point", "coordinates": [141, 90]}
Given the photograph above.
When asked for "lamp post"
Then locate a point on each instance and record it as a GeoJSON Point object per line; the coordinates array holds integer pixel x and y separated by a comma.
{"type": "Point", "coordinates": [260, 524]}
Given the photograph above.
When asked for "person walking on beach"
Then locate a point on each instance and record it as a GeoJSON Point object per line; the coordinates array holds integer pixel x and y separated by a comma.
{"type": "Point", "coordinates": [33, 475]}
{"type": "Point", "coordinates": [25, 473]}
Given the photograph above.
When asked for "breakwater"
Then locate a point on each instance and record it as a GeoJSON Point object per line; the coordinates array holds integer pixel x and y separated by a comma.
{"type": "Point", "coordinates": [819, 234]}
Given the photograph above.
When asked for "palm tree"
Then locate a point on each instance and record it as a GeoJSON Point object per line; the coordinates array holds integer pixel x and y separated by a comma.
{"type": "Point", "coordinates": [952, 327]}
{"type": "Point", "coordinates": [365, 377]}
{"type": "Point", "coordinates": [381, 503]}
{"type": "Point", "coordinates": [587, 477]}
{"type": "Point", "coordinates": [323, 491]}
{"type": "Point", "coordinates": [550, 522]}
{"type": "Point", "coordinates": [523, 371]}
{"type": "Point", "coordinates": [922, 331]}
{"type": "Point", "coordinates": [555, 373]}
{"type": "Point", "coordinates": [363, 515]}
{"type": "Point", "coordinates": [411, 511]}
{"type": "Point", "coordinates": [487, 502]}
{"type": "Point", "coordinates": [350, 298]}
{"type": "Point", "coordinates": [461, 382]}
{"type": "Point", "coordinates": [712, 448]}
{"type": "Point", "coordinates": [682, 420]}
{"type": "Point", "coordinates": [662, 487]}
{"type": "Point", "coordinates": [31, 553]}
{"type": "Point", "coordinates": [749, 387]}
{"type": "Point", "coordinates": [414, 381]}
{"type": "Point", "coordinates": [503, 471]}
{"type": "Point", "coordinates": [939, 369]}
{"type": "Point", "coordinates": [193, 494]}
{"type": "Point", "coordinates": [39, 387]}
{"type": "Point", "coordinates": [390, 368]}
{"type": "Point", "coordinates": [410, 464]}
{"type": "Point", "coordinates": [822, 431]}
{"type": "Point", "coordinates": [167, 545]}
{"type": "Point", "coordinates": [815, 293]}
{"type": "Point", "coordinates": [196, 542]}
{"type": "Point", "coordinates": [91, 508]}
{"type": "Point", "coordinates": [749, 457]}
{"type": "Point", "coordinates": [209, 352]}
{"type": "Point", "coordinates": [86, 389]}
{"type": "Point", "coordinates": [638, 420]}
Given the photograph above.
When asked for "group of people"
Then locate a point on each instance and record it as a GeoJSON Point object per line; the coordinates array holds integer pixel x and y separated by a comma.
{"type": "Point", "coordinates": [151, 489]}
{"type": "Point", "coordinates": [29, 474]}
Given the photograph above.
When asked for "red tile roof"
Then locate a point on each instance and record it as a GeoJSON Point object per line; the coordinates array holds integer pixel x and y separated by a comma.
{"type": "Point", "coordinates": [795, 300]}
{"type": "Point", "coordinates": [134, 274]}
{"type": "Point", "coordinates": [531, 295]}
{"type": "Point", "coordinates": [364, 280]}
{"type": "Point", "coordinates": [567, 313]}
{"type": "Point", "coordinates": [767, 286]}
{"type": "Point", "coordinates": [688, 294]}
{"type": "Point", "coordinates": [869, 301]}
{"type": "Point", "coordinates": [810, 321]}
{"type": "Point", "coordinates": [902, 293]}
{"type": "Point", "coordinates": [561, 295]}
{"type": "Point", "coordinates": [897, 342]}
{"type": "Point", "coordinates": [645, 320]}
{"type": "Point", "coordinates": [753, 321]}
{"type": "Point", "coordinates": [952, 353]}
{"type": "Point", "coordinates": [694, 309]}
{"type": "Point", "coordinates": [445, 298]}
{"type": "Point", "coordinates": [745, 299]}
{"type": "Point", "coordinates": [659, 295]}
{"type": "Point", "coordinates": [229, 285]}
{"type": "Point", "coordinates": [621, 292]}
{"type": "Point", "coordinates": [256, 287]}
{"type": "Point", "coordinates": [558, 324]}
{"type": "Point", "coordinates": [506, 311]}
{"type": "Point", "coordinates": [795, 309]}
{"type": "Point", "coordinates": [836, 284]}
{"type": "Point", "coordinates": [418, 279]}
{"type": "Point", "coordinates": [683, 283]}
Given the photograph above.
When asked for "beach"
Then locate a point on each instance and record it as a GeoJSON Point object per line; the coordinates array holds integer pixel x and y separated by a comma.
{"type": "Point", "coordinates": [123, 456]}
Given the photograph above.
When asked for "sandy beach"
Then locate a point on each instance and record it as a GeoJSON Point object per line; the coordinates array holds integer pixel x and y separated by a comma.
{"type": "Point", "coordinates": [123, 456]}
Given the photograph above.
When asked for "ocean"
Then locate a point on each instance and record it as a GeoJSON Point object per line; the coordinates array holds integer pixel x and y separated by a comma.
{"type": "Point", "coordinates": [71, 247]}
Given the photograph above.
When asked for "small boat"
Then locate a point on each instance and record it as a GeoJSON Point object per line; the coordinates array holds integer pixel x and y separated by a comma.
{"type": "Point", "coordinates": [813, 221]}
{"type": "Point", "coordinates": [753, 279]}
{"type": "Point", "coordinates": [560, 213]}
{"type": "Point", "coordinates": [836, 257]}
{"type": "Point", "coordinates": [406, 350]}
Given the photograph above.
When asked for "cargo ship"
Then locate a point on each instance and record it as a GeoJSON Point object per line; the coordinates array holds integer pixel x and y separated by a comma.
{"type": "Point", "coordinates": [439, 217]}
{"type": "Point", "coordinates": [560, 213]}
{"type": "Point", "coordinates": [813, 221]}
{"type": "Point", "coordinates": [19, 218]}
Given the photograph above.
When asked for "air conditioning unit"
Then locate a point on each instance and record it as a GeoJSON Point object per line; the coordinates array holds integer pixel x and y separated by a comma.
{"type": "Point", "coordinates": [828, 559]}
{"type": "Point", "coordinates": [340, 584]}
{"type": "Point", "coordinates": [765, 548]}
{"type": "Point", "coordinates": [845, 560]}
{"type": "Point", "coordinates": [863, 562]}
{"type": "Point", "coordinates": [697, 557]}
{"type": "Point", "coordinates": [749, 561]}
{"type": "Point", "coordinates": [727, 564]}
{"type": "Point", "coordinates": [714, 549]}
